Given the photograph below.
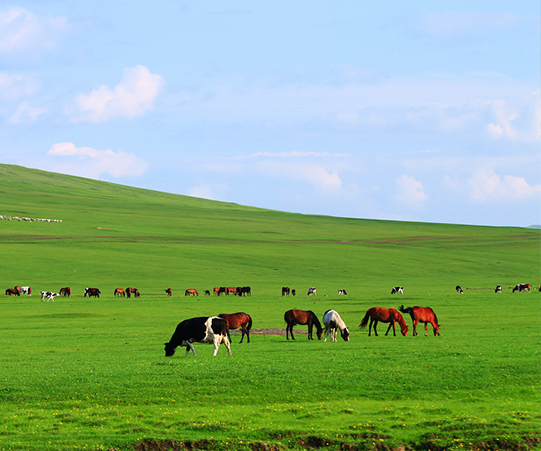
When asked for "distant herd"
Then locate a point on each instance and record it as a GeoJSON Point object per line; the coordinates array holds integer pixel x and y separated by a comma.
{"type": "Point", "coordinates": [215, 329]}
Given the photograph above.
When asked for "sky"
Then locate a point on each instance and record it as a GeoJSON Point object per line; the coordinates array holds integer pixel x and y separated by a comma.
{"type": "Point", "coordinates": [413, 111]}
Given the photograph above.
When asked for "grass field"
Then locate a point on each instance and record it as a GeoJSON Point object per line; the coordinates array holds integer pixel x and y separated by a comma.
{"type": "Point", "coordinates": [91, 374]}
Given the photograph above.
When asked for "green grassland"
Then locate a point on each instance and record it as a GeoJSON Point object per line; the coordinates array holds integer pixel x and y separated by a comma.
{"type": "Point", "coordinates": [91, 374]}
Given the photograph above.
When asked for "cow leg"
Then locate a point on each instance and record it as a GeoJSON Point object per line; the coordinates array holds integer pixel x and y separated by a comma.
{"type": "Point", "coordinates": [188, 347]}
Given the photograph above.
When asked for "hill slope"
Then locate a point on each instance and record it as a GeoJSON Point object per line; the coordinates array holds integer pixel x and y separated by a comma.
{"type": "Point", "coordinates": [154, 240]}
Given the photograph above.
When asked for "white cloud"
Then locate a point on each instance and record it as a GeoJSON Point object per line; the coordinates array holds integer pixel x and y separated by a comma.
{"type": "Point", "coordinates": [25, 113]}
{"type": "Point", "coordinates": [207, 191]}
{"type": "Point", "coordinates": [487, 186]}
{"type": "Point", "coordinates": [89, 162]}
{"type": "Point", "coordinates": [132, 97]}
{"type": "Point", "coordinates": [410, 191]}
{"type": "Point", "coordinates": [13, 87]}
{"type": "Point", "coordinates": [23, 32]}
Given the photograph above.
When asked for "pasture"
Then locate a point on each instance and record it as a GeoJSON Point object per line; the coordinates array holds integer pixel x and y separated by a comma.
{"type": "Point", "coordinates": [88, 373]}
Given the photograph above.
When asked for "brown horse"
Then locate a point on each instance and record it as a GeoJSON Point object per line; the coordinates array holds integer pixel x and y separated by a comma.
{"type": "Point", "coordinates": [422, 315]}
{"type": "Point", "coordinates": [65, 291]}
{"type": "Point", "coordinates": [134, 291]}
{"type": "Point", "coordinates": [308, 317]}
{"type": "Point", "coordinates": [13, 292]}
{"type": "Point", "coordinates": [385, 315]}
{"type": "Point", "coordinates": [169, 292]}
{"type": "Point", "coordinates": [120, 292]}
{"type": "Point", "coordinates": [191, 291]}
{"type": "Point", "coordinates": [236, 320]}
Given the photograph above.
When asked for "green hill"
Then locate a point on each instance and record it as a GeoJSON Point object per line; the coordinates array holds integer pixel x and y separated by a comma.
{"type": "Point", "coordinates": [153, 240]}
{"type": "Point", "coordinates": [90, 374]}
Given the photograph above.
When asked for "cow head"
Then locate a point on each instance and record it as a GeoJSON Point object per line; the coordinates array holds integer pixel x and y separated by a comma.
{"type": "Point", "coordinates": [169, 349]}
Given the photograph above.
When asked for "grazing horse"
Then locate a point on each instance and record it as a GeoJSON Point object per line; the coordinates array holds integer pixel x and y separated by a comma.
{"type": "Point", "coordinates": [191, 291]}
{"type": "Point", "coordinates": [385, 315]}
{"type": "Point", "coordinates": [397, 290]}
{"type": "Point", "coordinates": [26, 290]}
{"type": "Point", "coordinates": [134, 291]}
{"type": "Point", "coordinates": [65, 291]}
{"type": "Point", "coordinates": [285, 291]}
{"type": "Point", "coordinates": [169, 292]}
{"type": "Point", "coordinates": [231, 290]}
{"type": "Point", "coordinates": [236, 320]}
{"type": "Point", "coordinates": [422, 315]}
{"type": "Point", "coordinates": [499, 289]}
{"type": "Point", "coordinates": [342, 292]}
{"type": "Point", "coordinates": [13, 292]}
{"type": "Point", "coordinates": [312, 291]}
{"type": "Point", "coordinates": [308, 317]}
{"type": "Point", "coordinates": [459, 290]}
{"type": "Point", "coordinates": [207, 292]}
{"type": "Point", "coordinates": [520, 287]}
{"type": "Point", "coordinates": [333, 322]}
{"type": "Point", "coordinates": [120, 292]}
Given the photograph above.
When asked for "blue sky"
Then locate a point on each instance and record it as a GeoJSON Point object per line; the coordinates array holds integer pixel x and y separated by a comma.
{"type": "Point", "coordinates": [418, 111]}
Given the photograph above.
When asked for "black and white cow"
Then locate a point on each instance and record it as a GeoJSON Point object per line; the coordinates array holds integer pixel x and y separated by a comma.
{"type": "Point", "coordinates": [498, 289]}
{"type": "Point", "coordinates": [341, 291]}
{"type": "Point", "coordinates": [203, 329]}
{"type": "Point", "coordinates": [397, 290]}
{"type": "Point", "coordinates": [49, 295]}
{"type": "Point", "coordinates": [459, 290]}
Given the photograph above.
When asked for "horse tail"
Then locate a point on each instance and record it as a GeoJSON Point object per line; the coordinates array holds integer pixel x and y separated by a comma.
{"type": "Point", "coordinates": [364, 322]}
{"type": "Point", "coordinates": [249, 325]}
{"type": "Point", "coordinates": [405, 310]}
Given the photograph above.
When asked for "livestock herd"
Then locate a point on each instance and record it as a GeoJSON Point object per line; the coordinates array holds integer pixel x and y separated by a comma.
{"type": "Point", "coordinates": [215, 329]}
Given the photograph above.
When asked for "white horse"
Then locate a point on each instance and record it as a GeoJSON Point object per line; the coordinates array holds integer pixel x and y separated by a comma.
{"type": "Point", "coordinates": [332, 322]}
{"type": "Point", "coordinates": [26, 290]}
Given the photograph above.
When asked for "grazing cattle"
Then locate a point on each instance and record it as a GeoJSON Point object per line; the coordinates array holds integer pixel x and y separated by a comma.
{"type": "Point", "coordinates": [520, 287]}
{"type": "Point", "coordinates": [332, 323]}
{"type": "Point", "coordinates": [285, 291]}
{"type": "Point", "coordinates": [49, 295]}
{"type": "Point", "coordinates": [134, 291]}
{"type": "Point", "coordinates": [191, 291]}
{"type": "Point", "coordinates": [169, 292]}
{"type": "Point", "coordinates": [13, 292]}
{"type": "Point", "coordinates": [459, 290]}
{"type": "Point", "coordinates": [65, 291]}
{"type": "Point", "coordinates": [236, 320]}
{"type": "Point", "coordinates": [422, 315]}
{"type": "Point", "coordinates": [341, 292]}
{"type": "Point", "coordinates": [207, 292]}
{"type": "Point", "coordinates": [119, 292]}
{"type": "Point", "coordinates": [385, 315]}
{"type": "Point", "coordinates": [92, 292]}
{"type": "Point", "coordinates": [397, 290]}
{"type": "Point", "coordinates": [308, 317]}
{"type": "Point", "coordinates": [204, 329]}
{"type": "Point", "coordinates": [26, 290]}
{"type": "Point", "coordinates": [498, 289]}
{"type": "Point", "coordinates": [312, 291]}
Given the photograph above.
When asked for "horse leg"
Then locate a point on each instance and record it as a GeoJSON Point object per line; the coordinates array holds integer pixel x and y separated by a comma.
{"type": "Point", "coordinates": [426, 329]}
{"type": "Point", "coordinates": [310, 331]}
{"type": "Point", "coordinates": [243, 328]}
{"type": "Point", "coordinates": [389, 328]}
{"type": "Point", "coordinates": [415, 323]}
{"type": "Point", "coordinates": [375, 325]}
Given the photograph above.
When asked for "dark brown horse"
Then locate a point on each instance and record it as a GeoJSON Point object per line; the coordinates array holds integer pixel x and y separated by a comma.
{"type": "Point", "coordinates": [134, 291]}
{"type": "Point", "coordinates": [422, 315]}
{"type": "Point", "coordinates": [236, 320]}
{"type": "Point", "coordinates": [13, 292]}
{"type": "Point", "coordinates": [385, 315]}
{"type": "Point", "coordinates": [169, 292]}
{"type": "Point", "coordinates": [65, 291]}
{"type": "Point", "coordinates": [308, 317]}
{"type": "Point", "coordinates": [120, 292]}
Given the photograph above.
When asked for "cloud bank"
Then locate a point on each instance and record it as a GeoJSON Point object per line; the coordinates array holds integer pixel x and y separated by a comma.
{"type": "Point", "coordinates": [131, 98]}
{"type": "Point", "coordinates": [91, 163]}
